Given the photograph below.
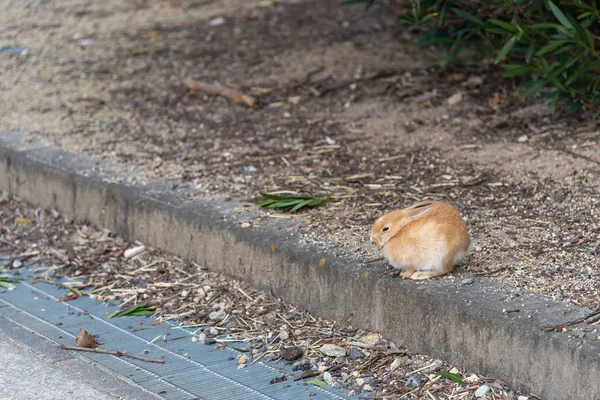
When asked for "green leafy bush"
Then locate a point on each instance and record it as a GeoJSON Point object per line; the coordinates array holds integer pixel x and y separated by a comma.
{"type": "Point", "coordinates": [549, 42]}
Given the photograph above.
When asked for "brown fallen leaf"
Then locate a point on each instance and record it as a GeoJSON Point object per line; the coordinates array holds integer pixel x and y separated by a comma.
{"type": "Point", "coordinates": [282, 378]}
{"type": "Point", "coordinates": [68, 297]}
{"type": "Point", "coordinates": [218, 90]}
{"type": "Point", "coordinates": [84, 339]}
{"type": "Point", "coordinates": [155, 323]}
{"type": "Point", "coordinates": [290, 353]}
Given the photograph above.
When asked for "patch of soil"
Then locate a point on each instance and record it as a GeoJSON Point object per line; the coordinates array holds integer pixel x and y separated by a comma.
{"type": "Point", "coordinates": [354, 111]}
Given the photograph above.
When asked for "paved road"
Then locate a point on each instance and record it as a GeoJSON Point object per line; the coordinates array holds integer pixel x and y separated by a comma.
{"type": "Point", "coordinates": [26, 376]}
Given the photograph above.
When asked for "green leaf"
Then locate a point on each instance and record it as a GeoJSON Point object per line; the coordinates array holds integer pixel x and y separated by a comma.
{"type": "Point", "coordinates": [368, 3]}
{"type": "Point", "coordinates": [533, 87]}
{"type": "Point", "coordinates": [467, 15]}
{"type": "Point", "coordinates": [453, 377]}
{"type": "Point", "coordinates": [513, 70]}
{"type": "Point", "coordinates": [504, 25]}
{"type": "Point", "coordinates": [562, 18]}
{"type": "Point", "coordinates": [545, 25]}
{"type": "Point", "coordinates": [300, 204]}
{"type": "Point", "coordinates": [294, 203]}
{"type": "Point", "coordinates": [552, 45]}
{"type": "Point", "coordinates": [506, 48]}
{"type": "Point", "coordinates": [317, 382]}
{"type": "Point", "coordinates": [7, 284]}
{"type": "Point", "coordinates": [529, 52]}
{"type": "Point", "coordinates": [137, 310]}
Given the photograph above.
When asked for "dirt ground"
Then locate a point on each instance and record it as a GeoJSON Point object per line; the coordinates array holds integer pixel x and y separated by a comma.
{"type": "Point", "coordinates": [350, 109]}
{"type": "Point", "coordinates": [225, 312]}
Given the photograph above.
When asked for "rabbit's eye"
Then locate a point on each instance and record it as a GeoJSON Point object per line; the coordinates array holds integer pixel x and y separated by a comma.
{"type": "Point", "coordinates": [386, 228]}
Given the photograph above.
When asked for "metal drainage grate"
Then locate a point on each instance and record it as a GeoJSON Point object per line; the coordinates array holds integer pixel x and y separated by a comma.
{"type": "Point", "coordinates": [190, 371]}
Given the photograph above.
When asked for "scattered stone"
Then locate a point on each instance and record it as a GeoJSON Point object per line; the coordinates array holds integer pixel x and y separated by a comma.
{"type": "Point", "coordinates": [355, 353]}
{"type": "Point", "coordinates": [328, 378]}
{"type": "Point", "coordinates": [360, 381]}
{"type": "Point", "coordinates": [217, 315]}
{"type": "Point", "coordinates": [134, 251]}
{"type": "Point", "coordinates": [218, 21]}
{"type": "Point", "coordinates": [473, 80]}
{"type": "Point", "coordinates": [482, 391]}
{"type": "Point", "coordinates": [213, 331]}
{"type": "Point", "coordinates": [210, 341]}
{"type": "Point", "coordinates": [396, 364]}
{"type": "Point", "coordinates": [468, 281]}
{"type": "Point", "coordinates": [332, 350]}
{"type": "Point", "coordinates": [522, 398]}
{"type": "Point", "coordinates": [522, 138]}
{"type": "Point", "coordinates": [17, 263]}
{"type": "Point", "coordinates": [414, 381]}
{"type": "Point", "coordinates": [283, 335]}
{"type": "Point", "coordinates": [367, 388]}
{"type": "Point", "coordinates": [454, 99]}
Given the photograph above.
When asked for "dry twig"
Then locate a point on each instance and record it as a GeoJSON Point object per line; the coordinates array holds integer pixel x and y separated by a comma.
{"type": "Point", "coordinates": [118, 353]}
{"type": "Point", "coordinates": [218, 90]}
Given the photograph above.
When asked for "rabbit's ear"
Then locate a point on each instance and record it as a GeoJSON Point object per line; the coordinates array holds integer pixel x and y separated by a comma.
{"type": "Point", "coordinates": [417, 210]}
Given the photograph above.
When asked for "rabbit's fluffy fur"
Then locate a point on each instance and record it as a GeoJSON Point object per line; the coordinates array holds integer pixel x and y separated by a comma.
{"type": "Point", "coordinates": [424, 240]}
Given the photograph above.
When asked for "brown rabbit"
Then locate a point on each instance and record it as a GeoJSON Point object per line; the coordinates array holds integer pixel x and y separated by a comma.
{"type": "Point", "coordinates": [425, 240]}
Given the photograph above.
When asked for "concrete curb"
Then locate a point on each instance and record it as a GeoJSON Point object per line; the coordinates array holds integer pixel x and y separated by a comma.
{"type": "Point", "coordinates": [462, 324]}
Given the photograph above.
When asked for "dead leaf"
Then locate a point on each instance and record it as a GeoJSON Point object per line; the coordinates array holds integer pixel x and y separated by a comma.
{"type": "Point", "coordinates": [371, 338]}
{"type": "Point", "coordinates": [365, 275]}
{"type": "Point", "coordinates": [23, 220]}
{"type": "Point", "coordinates": [321, 262]}
{"type": "Point", "coordinates": [84, 339]}
{"type": "Point", "coordinates": [522, 139]}
{"type": "Point", "coordinates": [497, 100]}
{"type": "Point", "coordinates": [290, 353]}
{"type": "Point", "coordinates": [242, 360]}
{"type": "Point", "coordinates": [152, 34]}
{"type": "Point", "coordinates": [459, 76]}
{"type": "Point", "coordinates": [68, 297]}
{"type": "Point", "coordinates": [282, 378]}
{"type": "Point", "coordinates": [155, 323]}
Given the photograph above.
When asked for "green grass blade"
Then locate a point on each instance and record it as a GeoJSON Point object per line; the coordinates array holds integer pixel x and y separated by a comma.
{"type": "Point", "coordinates": [301, 204]}
{"type": "Point", "coordinates": [506, 48]}
{"type": "Point", "coordinates": [453, 377]}
{"type": "Point", "coordinates": [140, 309]}
{"type": "Point", "coordinates": [467, 15]}
{"type": "Point", "coordinates": [560, 16]}
{"type": "Point", "coordinates": [504, 25]}
{"type": "Point", "coordinates": [7, 285]}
